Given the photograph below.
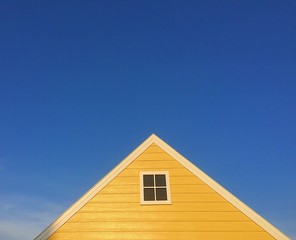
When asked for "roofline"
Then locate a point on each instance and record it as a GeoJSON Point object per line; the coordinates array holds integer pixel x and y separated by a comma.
{"type": "Point", "coordinates": [273, 231]}
{"type": "Point", "coordinates": [95, 189]}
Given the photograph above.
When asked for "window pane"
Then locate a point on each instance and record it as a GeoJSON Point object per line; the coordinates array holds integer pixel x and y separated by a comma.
{"type": "Point", "coordinates": [149, 194]}
{"type": "Point", "coordinates": [160, 180]}
{"type": "Point", "coordinates": [161, 194]}
{"type": "Point", "coordinates": [148, 180]}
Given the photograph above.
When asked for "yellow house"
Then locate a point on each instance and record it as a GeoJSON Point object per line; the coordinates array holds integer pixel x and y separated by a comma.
{"type": "Point", "coordinates": [156, 193]}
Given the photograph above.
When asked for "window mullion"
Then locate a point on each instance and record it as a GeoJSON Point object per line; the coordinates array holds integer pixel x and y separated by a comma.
{"type": "Point", "coordinates": [154, 187]}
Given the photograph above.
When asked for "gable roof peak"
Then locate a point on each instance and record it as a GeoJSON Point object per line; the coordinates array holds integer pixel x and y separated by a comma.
{"type": "Point", "coordinates": [183, 161]}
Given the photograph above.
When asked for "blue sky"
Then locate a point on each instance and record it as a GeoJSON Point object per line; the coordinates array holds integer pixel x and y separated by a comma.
{"type": "Point", "coordinates": [83, 83]}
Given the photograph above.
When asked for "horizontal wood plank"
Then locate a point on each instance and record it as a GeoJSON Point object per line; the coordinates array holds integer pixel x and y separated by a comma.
{"type": "Point", "coordinates": [155, 157]}
{"type": "Point", "coordinates": [159, 216]}
{"type": "Point", "coordinates": [190, 189]}
{"type": "Point", "coordinates": [176, 207]}
{"type": "Point", "coordinates": [162, 236]}
{"type": "Point", "coordinates": [161, 227]}
{"type": "Point", "coordinates": [163, 165]}
{"type": "Point", "coordinates": [132, 172]}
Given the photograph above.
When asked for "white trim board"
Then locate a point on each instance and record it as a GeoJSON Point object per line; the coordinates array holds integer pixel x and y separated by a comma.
{"type": "Point", "coordinates": [182, 160]}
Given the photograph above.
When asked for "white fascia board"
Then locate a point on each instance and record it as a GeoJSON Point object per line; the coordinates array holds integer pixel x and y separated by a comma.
{"type": "Point", "coordinates": [273, 231]}
{"type": "Point", "coordinates": [94, 190]}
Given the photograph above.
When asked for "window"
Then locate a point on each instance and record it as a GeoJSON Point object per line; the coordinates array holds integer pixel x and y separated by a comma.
{"type": "Point", "coordinates": [155, 188]}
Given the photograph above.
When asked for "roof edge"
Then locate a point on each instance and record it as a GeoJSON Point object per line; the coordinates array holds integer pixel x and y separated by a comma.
{"type": "Point", "coordinates": [65, 216]}
{"type": "Point", "coordinates": [272, 230]}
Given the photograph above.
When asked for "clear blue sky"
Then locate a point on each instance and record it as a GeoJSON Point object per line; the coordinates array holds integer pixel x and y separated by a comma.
{"type": "Point", "coordinates": [82, 83]}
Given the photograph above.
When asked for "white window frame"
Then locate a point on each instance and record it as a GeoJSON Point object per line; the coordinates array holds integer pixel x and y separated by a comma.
{"type": "Point", "coordinates": [167, 178]}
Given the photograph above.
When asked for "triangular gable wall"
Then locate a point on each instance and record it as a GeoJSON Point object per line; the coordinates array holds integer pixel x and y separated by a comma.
{"type": "Point", "coordinates": [129, 163]}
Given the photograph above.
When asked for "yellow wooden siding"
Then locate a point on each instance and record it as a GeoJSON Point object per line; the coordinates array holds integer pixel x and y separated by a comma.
{"type": "Point", "coordinates": [196, 212]}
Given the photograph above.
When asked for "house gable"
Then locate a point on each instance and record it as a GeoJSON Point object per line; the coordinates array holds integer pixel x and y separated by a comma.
{"type": "Point", "coordinates": [200, 207]}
